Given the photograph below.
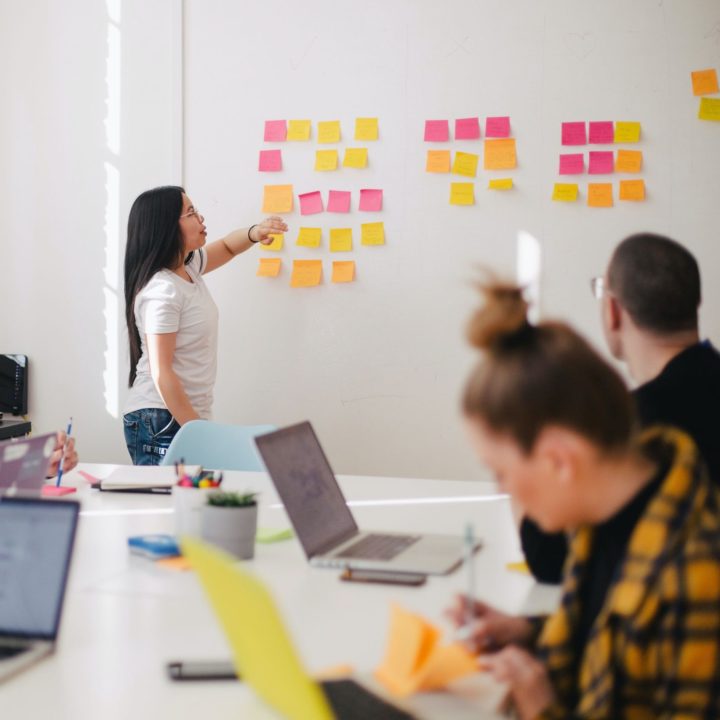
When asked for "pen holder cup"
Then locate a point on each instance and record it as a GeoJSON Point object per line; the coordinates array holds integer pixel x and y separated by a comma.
{"type": "Point", "coordinates": [188, 503]}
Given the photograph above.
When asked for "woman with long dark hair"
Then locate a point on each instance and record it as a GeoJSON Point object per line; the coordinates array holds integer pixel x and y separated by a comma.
{"type": "Point", "coordinates": [171, 317]}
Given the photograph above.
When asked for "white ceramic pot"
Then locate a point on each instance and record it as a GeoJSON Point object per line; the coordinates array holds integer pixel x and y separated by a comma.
{"type": "Point", "coordinates": [188, 503]}
{"type": "Point", "coordinates": [231, 528]}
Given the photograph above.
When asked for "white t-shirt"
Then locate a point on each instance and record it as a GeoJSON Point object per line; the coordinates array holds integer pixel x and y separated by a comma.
{"type": "Point", "coordinates": [170, 304]}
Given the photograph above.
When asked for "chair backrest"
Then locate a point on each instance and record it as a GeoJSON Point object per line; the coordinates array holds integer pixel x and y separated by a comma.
{"type": "Point", "coordinates": [216, 446]}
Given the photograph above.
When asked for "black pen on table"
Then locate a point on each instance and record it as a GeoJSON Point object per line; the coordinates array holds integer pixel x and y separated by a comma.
{"type": "Point", "coordinates": [62, 454]}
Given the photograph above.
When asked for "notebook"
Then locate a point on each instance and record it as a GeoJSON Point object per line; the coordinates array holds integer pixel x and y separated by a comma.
{"type": "Point", "coordinates": [36, 543]}
{"type": "Point", "coordinates": [323, 522]}
{"type": "Point", "coordinates": [263, 652]}
{"type": "Point", "coordinates": [24, 463]}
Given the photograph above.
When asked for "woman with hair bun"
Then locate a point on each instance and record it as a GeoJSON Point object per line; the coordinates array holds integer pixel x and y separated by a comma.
{"type": "Point", "coordinates": [637, 634]}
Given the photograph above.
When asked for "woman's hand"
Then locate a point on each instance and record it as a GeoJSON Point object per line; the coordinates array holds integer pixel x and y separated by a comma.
{"type": "Point", "coordinates": [71, 456]}
{"type": "Point", "coordinates": [269, 226]}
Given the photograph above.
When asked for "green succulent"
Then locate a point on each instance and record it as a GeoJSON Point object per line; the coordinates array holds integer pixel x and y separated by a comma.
{"type": "Point", "coordinates": [232, 499]}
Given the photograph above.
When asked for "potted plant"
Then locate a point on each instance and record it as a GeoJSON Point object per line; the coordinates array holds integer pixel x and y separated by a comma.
{"type": "Point", "coordinates": [229, 520]}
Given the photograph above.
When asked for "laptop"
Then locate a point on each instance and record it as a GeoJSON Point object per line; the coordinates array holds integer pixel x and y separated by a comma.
{"type": "Point", "coordinates": [263, 652]}
{"type": "Point", "coordinates": [323, 522]}
{"type": "Point", "coordinates": [24, 463]}
{"type": "Point", "coordinates": [36, 543]}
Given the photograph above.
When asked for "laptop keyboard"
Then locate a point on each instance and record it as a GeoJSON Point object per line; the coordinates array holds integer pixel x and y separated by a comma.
{"type": "Point", "coordinates": [351, 701]}
{"type": "Point", "coordinates": [8, 652]}
{"type": "Point", "coordinates": [378, 547]}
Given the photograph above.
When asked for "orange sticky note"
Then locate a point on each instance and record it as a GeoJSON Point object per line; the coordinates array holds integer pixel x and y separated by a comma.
{"type": "Point", "coordinates": [298, 130]}
{"type": "Point", "coordinates": [277, 243]}
{"type": "Point", "coordinates": [445, 664]}
{"type": "Point", "coordinates": [269, 267]}
{"type": "Point", "coordinates": [600, 195]}
{"type": "Point", "coordinates": [465, 164]}
{"type": "Point", "coordinates": [372, 233]}
{"type": "Point", "coordinates": [565, 192]}
{"type": "Point", "coordinates": [500, 154]}
{"type": "Point", "coordinates": [628, 161]}
{"type": "Point", "coordinates": [343, 271]}
{"type": "Point", "coordinates": [179, 563]}
{"type": "Point", "coordinates": [366, 128]}
{"type": "Point", "coordinates": [632, 190]}
{"type": "Point", "coordinates": [329, 131]}
{"type": "Point", "coordinates": [340, 239]}
{"type": "Point", "coordinates": [278, 199]}
{"type": "Point", "coordinates": [462, 193]}
{"type": "Point", "coordinates": [306, 273]}
{"type": "Point", "coordinates": [627, 132]}
{"type": "Point", "coordinates": [438, 161]}
{"type": "Point", "coordinates": [704, 82]}
{"type": "Point", "coordinates": [309, 237]}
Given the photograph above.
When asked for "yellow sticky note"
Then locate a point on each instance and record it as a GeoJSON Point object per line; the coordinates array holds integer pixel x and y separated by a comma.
{"type": "Point", "coordinates": [278, 199]}
{"type": "Point", "coordinates": [326, 159]}
{"type": "Point", "coordinates": [306, 273]}
{"type": "Point", "coordinates": [438, 161]}
{"type": "Point", "coordinates": [355, 157]}
{"type": "Point", "coordinates": [500, 154]}
{"type": "Point", "coordinates": [628, 161]}
{"type": "Point", "coordinates": [465, 164]}
{"type": "Point", "coordinates": [340, 239]}
{"type": "Point", "coordinates": [269, 267]}
{"type": "Point", "coordinates": [520, 566]}
{"type": "Point", "coordinates": [462, 193]}
{"type": "Point", "coordinates": [329, 131]}
{"type": "Point", "coordinates": [565, 192]}
{"type": "Point", "coordinates": [366, 128]}
{"type": "Point", "coordinates": [632, 190]}
{"type": "Point", "coordinates": [627, 132]}
{"type": "Point", "coordinates": [704, 82]}
{"type": "Point", "coordinates": [600, 195]}
{"type": "Point", "coordinates": [276, 244]}
{"type": "Point", "coordinates": [343, 271]}
{"type": "Point", "coordinates": [372, 233]}
{"type": "Point", "coordinates": [309, 237]}
{"type": "Point", "coordinates": [298, 130]}
{"type": "Point", "coordinates": [709, 109]}
{"type": "Point", "coordinates": [501, 184]}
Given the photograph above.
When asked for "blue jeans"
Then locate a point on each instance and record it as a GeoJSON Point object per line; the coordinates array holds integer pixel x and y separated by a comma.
{"type": "Point", "coordinates": [148, 434]}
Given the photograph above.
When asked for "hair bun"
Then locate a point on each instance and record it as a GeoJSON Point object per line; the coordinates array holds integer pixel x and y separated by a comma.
{"type": "Point", "coordinates": [502, 316]}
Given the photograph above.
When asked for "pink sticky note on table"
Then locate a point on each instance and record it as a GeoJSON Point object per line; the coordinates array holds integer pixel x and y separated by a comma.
{"type": "Point", "coordinates": [467, 129]}
{"type": "Point", "coordinates": [497, 127]}
{"type": "Point", "coordinates": [437, 131]}
{"type": "Point", "coordinates": [602, 133]}
{"type": "Point", "coordinates": [572, 164]}
{"type": "Point", "coordinates": [270, 161]}
{"type": "Point", "coordinates": [601, 162]}
{"type": "Point", "coordinates": [311, 203]}
{"type": "Point", "coordinates": [275, 131]}
{"type": "Point", "coordinates": [573, 133]}
{"type": "Point", "coordinates": [371, 200]}
{"type": "Point", "coordinates": [339, 201]}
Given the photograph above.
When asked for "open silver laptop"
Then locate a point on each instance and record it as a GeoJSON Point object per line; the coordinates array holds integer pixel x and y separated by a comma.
{"type": "Point", "coordinates": [36, 542]}
{"type": "Point", "coordinates": [323, 522]}
{"type": "Point", "coordinates": [24, 464]}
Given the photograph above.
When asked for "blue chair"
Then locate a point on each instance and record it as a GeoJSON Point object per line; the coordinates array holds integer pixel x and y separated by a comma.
{"type": "Point", "coordinates": [216, 446]}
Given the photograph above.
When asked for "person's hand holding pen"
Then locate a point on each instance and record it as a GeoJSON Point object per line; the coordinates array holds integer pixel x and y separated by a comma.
{"type": "Point", "coordinates": [70, 458]}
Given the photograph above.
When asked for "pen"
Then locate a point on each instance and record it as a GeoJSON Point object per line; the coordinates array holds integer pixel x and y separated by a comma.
{"type": "Point", "coordinates": [62, 454]}
{"type": "Point", "coordinates": [469, 552]}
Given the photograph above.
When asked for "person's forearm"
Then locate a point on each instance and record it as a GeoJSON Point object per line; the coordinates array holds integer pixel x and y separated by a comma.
{"type": "Point", "coordinates": [238, 241]}
{"type": "Point", "coordinates": [174, 396]}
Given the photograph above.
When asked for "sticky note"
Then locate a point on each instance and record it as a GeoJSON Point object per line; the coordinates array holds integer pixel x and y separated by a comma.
{"type": "Point", "coordinates": [270, 161]}
{"type": "Point", "coordinates": [709, 109]}
{"type": "Point", "coordinates": [371, 200]}
{"type": "Point", "coordinates": [602, 133]}
{"type": "Point", "coordinates": [343, 271]}
{"type": "Point", "coordinates": [329, 131]}
{"type": "Point", "coordinates": [278, 199]}
{"type": "Point", "coordinates": [340, 239]}
{"type": "Point", "coordinates": [298, 130]}
{"type": "Point", "coordinates": [326, 160]}
{"type": "Point", "coordinates": [310, 203]}
{"type": "Point", "coordinates": [273, 535]}
{"type": "Point", "coordinates": [467, 128]}
{"type": "Point", "coordinates": [519, 566]}
{"type": "Point", "coordinates": [573, 133]}
{"type": "Point", "coordinates": [500, 154]}
{"type": "Point", "coordinates": [275, 131]}
{"type": "Point", "coordinates": [437, 131]}
{"type": "Point", "coordinates": [497, 127]}
{"type": "Point", "coordinates": [277, 243]}
{"type": "Point", "coordinates": [339, 201]}
{"type": "Point", "coordinates": [465, 164]}
{"type": "Point", "coordinates": [565, 192]}
{"type": "Point", "coordinates": [372, 233]}
{"type": "Point", "coordinates": [600, 195]}
{"type": "Point", "coordinates": [704, 82]}
{"type": "Point", "coordinates": [601, 162]}
{"type": "Point", "coordinates": [355, 158]}
{"type": "Point", "coordinates": [438, 161]}
{"type": "Point", "coordinates": [366, 128]}
{"type": "Point", "coordinates": [572, 164]}
{"type": "Point", "coordinates": [309, 237]}
{"type": "Point", "coordinates": [501, 184]}
{"type": "Point", "coordinates": [306, 273]}
{"type": "Point", "coordinates": [629, 161]}
{"type": "Point", "coordinates": [632, 190]}
{"type": "Point", "coordinates": [462, 193]}
{"type": "Point", "coordinates": [269, 267]}
{"type": "Point", "coordinates": [627, 132]}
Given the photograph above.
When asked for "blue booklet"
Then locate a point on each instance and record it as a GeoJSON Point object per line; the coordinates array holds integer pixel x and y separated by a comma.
{"type": "Point", "coordinates": [154, 547]}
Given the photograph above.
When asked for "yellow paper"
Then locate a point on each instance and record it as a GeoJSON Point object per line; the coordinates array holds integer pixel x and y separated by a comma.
{"type": "Point", "coordinates": [355, 158]}
{"type": "Point", "coordinates": [627, 132]}
{"type": "Point", "coordinates": [704, 82]}
{"type": "Point", "coordinates": [343, 271]}
{"type": "Point", "coordinates": [709, 109]}
{"type": "Point", "coordinates": [306, 273]}
{"type": "Point", "coordinates": [309, 237]}
{"type": "Point", "coordinates": [340, 239]}
{"type": "Point", "coordinates": [501, 184]}
{"type": "Point", "coordinates": [632, 190]}
{"type": "Point", "coordinates": [462, 193]}
{"type": "Point", "coordinates": [565, 192]}
{"type": "Point", "coordinates": [465, 164]}
{"type": "Point", "coordinates": [278, 199]}
{"type": "Point", "coordinates": [298, 130]}
{"type": "Point", "coordinates": [438, 161]}
{"type": "Point", "coordinates": [269, 267]}
{"type": "Point", "coordinates": [500, 154]}
{"type": "Point", "coordinates": [521, 566]}
{"type": "Point", "coordinates": [445, 664]}
{"type": "Point", "coordinates": [366, 128]}
{"type": "Point", "coordinates": [372, 233]}
{"type": "Point", "coordinates": [326, 159]}
{"type": "Point", "coordinates": [277, 243]}
{"type": "Point", "coordinates": [329, 131]}
{"type": "Point", "coordinates": [628, 161]}
{"type": "Point", "coordinates": [600, 195]}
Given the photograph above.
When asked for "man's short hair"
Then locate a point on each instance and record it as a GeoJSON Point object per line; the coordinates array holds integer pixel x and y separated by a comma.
{"type": "Point", "coordinates": [657, 281]}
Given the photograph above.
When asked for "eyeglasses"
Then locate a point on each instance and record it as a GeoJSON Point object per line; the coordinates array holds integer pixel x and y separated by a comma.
{"type": "Point", "coordinates": [198, 215]}
{"type": "Point", "coordinates": [597, 287]}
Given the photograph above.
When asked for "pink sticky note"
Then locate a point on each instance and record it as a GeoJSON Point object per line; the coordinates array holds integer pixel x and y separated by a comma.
{"type": "Point", "coordinates": [602, 133]}
{"type": "Point", "coordinates": [601, 162]}
{"type": "Point", "coordinates": [497, 127]}
{"type": "Point", "coordinates": [275, 131]}
{"type": "Point", "coordinates": [437, 131]}
{"type": "Point", "coordinates": [270, 161]}
{"type": "Point", "coordinates": [371, 200]}
{"type": "Point", "coordinates": [310, 203]}
{"type": "Point", "coordinates": [573, 133]}
{"type": "Point", "coordinates": [339, 201]}
{"type": "Point", "coordinates": [573, 164]}
{"type": "Point", "coordinates": [54, 491]}
{"type": "Point", "coordinates": [467, 129]}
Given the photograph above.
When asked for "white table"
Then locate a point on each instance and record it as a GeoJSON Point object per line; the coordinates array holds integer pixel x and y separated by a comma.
{"type": "Point", "coordinates": [124, 617]}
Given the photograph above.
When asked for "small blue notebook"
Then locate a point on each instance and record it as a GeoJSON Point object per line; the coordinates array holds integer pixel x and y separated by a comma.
{"type": "Point", "coordinates": [154, 547]}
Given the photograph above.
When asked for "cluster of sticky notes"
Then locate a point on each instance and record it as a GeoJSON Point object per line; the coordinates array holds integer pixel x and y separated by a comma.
{"type": "Point", "coordinates": [416, 660]}
{"type": "Point", "coordinates": [308, 273]}
{"type": "Point", "coordinates": [467, 129]}
{"type": "Point", "coordinates": [328, 131]}
{"type": "Point", "coordinates": [603, 132]}
{"type": "Point", "coordinates": [705, 82]}
{"type": "Point", "coordinates": [339, 201]}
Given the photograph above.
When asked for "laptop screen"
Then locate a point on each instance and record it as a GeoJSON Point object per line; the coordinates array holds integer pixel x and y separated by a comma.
{"type": "Point", "coordinates": [306, 483]}
{"type": "Point", "coordinates": [36, 541]}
